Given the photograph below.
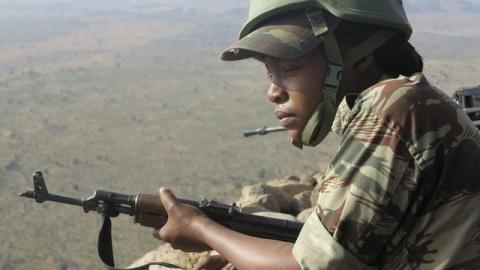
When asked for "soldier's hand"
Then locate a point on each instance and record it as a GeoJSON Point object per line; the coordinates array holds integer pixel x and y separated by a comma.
{"type": "Point", "coordinates": [184, 224]}
{"type": "Point", "coordinates": [213, 262]}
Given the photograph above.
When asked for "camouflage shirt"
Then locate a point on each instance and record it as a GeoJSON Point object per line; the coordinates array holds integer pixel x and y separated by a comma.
{"type": "Point", "coordinates": [403, 190]}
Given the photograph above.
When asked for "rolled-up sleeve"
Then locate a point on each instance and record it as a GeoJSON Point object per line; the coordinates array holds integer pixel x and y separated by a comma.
{"type": "Point", "coordinates": [315, 248]}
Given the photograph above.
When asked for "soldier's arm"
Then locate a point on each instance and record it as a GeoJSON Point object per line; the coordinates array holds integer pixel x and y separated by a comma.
{"type": "Point", "coordinates": [189, 229]}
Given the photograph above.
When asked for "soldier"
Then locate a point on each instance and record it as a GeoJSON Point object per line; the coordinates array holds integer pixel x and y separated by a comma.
{"type": "Point", "coordinates": [402, 192]}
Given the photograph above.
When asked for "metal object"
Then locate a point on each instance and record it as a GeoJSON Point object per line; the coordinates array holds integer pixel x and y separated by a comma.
{"type": "Point", "coordinates": [121, 203]}
{"type": "Point", "coordinates": [262, 131]}
{"type": "Point", "coordinates": [469, 100]}
{"type": "Point", "coordinates": [148, 210]}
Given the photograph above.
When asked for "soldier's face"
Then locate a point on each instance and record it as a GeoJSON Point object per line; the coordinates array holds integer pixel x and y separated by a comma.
{"type": "Point", "coordinates": [295, 89]}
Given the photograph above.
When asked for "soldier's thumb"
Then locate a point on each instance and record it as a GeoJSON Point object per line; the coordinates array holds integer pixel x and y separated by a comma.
{"type": "Point", "coordinates": [167, 198]}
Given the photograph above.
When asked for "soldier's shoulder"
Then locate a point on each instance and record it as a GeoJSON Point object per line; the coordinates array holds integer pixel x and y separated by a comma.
{"type": "Point", "coordinates": [402, 91]}
{"type": "Point", "coordinates": [411, 106]}
{"type": "Point", "coordinates": [396, 98]}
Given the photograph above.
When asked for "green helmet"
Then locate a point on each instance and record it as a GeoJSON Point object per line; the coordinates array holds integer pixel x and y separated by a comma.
{"type": "Point", "coordinates": [389, 13]}
{"type": "Point", "coordinates": [287, 37]}
{"type": "Point", "coordinates": [380, 12]}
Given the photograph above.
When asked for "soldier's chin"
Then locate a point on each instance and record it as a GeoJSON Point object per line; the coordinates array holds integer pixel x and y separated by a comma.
{"type": "Point", "coordinates": [295, 135]}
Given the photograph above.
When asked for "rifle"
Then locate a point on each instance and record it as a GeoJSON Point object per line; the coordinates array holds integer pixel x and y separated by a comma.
{"type": "Point", "coordinates": [147, 210]}
{"type": "Point", "coordinates": [262, 131]}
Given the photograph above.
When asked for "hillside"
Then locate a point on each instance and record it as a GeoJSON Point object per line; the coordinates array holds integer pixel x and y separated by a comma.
{"type": "Point", "coordinates": [130, 95]}
{"type": "Point", "coordinates": [420, 6]}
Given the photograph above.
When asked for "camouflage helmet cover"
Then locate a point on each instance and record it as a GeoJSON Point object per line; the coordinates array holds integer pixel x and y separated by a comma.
{"type": "Point", "coordinates": [390, 13]}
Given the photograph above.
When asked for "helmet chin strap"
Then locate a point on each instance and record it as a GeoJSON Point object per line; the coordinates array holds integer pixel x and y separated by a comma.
{"type": "Point", "coordinates": [323, 24]}
{"type": "Point", "coordinates": [320, 122]}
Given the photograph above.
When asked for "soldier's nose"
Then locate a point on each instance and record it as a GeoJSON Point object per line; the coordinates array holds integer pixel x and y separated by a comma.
{"type": "Point", "coordinates": [277, 94]}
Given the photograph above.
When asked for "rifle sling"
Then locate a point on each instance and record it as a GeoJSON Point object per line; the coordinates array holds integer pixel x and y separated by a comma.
{"type": "Point", "coordinates": [105, 251]}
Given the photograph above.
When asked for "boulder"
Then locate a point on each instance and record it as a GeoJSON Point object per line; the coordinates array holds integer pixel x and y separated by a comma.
{"type": "Point", "coordinates": [259, 189]}
{"type": "Point", "coordinates": [309, 179]}
{"type": "Point", "coordinates": [165, 253]}
{"type": "Point", "coordinates": [277, 195]}
{"type": "Point", "coordinates": [290, 188]}
{"type": "Point", "coordinates": [294, 178]}
{"type": "Point", "coordinates": [257, 203]}
{"type": "Point", "coordinates": [300, 202]}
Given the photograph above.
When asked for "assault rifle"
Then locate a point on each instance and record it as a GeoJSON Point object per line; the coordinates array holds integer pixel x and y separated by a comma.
{"type": "Point", "coordinates": [147, 210]}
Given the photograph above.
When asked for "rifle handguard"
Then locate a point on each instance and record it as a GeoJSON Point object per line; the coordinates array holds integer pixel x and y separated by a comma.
{"type": "Point", "coordinates": [149, 211]}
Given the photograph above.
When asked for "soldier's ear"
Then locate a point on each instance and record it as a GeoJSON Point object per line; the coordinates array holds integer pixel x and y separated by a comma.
{"type": "Point", "coordinates": [365, 64]}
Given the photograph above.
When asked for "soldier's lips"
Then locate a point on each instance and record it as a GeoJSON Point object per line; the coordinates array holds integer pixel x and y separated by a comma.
{"type": "Point", "coordinates": [284, 119]}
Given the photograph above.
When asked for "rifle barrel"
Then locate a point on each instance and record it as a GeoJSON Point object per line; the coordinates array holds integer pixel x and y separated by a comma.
{"type": "Point", "coordinates": [262, 131]}
{"type": "Point", "coordinates": [54, 197]}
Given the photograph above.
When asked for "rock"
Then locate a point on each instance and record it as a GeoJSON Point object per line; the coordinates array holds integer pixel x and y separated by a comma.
{"type": "Point", "coordinates": [286, 204]}
{"type": "Point", "coordinates": [292, 178]}
{"type": "Point", "coordinates": [253, 190]}
{"type": "Point", "coordinates": [302, 217]}
{"type": "Point", "coordinates": [309, 179]}
{"type": "Point", "coordinates": [259, 189]}
{"type": "Point", "coordinates": [165, 253]}
{"type": "Point", "coordinates": [265, 201]}
{"type": "Point", "coordinates": [263, 196]}
{"type": "Point", "coordinates": [301, 201]}
{"type": "Point", "coordinates": [250, 209]}
{"type": "Point", "coordinates": [277, 195]}
{"type": "Point", "coordinates": [290, 188]}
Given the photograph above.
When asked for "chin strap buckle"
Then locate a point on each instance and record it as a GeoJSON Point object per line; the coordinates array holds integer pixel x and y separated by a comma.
{"type": "Point", "coordinates": [333, 76]}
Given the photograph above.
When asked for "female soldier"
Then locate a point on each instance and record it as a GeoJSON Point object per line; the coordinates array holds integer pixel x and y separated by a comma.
{"type": "Point", "coordinates": [401, 192]}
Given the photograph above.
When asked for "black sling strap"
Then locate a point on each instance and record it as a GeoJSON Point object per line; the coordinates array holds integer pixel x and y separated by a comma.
{"type": "Point", "coordinates": [105, 248]}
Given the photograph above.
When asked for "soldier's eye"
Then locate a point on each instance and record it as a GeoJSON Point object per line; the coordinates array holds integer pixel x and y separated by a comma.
{"type": "Point", "coordinates": [290, 70]}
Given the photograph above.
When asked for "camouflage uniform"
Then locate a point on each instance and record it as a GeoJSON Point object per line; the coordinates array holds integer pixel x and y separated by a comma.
{"type": "Point", "coordinates": [403, 190]}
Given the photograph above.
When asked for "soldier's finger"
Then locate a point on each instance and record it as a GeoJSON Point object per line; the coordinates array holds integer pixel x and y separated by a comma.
{"type": "Point", "coordinates": [168, 198]}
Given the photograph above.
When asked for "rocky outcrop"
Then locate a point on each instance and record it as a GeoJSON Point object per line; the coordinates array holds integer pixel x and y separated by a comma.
{"type": "Point", "coordinates": [165, 253]}
{"type": "Point", "coordinates": [288, 198]}
{"type": "Point", "coordinates": [290, 195]}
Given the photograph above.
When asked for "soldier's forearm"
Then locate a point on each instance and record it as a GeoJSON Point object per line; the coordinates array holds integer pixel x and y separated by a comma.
{"type": "Point", "coordinates": [247, 252]}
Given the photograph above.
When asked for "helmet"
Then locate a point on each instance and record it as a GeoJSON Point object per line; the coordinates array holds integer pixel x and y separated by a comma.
{"type": "Point", "coordinates": [294, 38]}
{"type": "Point", "coordinates": [388, 13]}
